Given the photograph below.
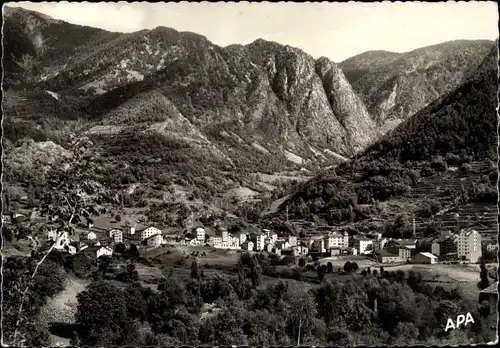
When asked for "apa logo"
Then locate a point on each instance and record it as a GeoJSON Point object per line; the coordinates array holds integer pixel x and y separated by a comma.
{"type": "Point", "coordinates": [461, 319]}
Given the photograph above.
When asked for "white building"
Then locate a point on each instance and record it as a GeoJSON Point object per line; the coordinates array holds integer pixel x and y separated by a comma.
{"type": "Point", "coordinates": [148, 232]}
{"type": "Point", "coordinates": [234, 242]}
{"type": "Point", "coordinates": [225, 236]}
{"type": "Point", "coordinates": [117, 235]}
{"type": "Point", "coordinates": [469, 245]}
{"type": "Point", "coordinates": [91, 236]}
{"type": "Point", "coordinates": [200, 234]}
{"type": "Point", "coordinates": [155, 240]}
{"type": "Point", "coordinates": [259, 241]}
{"type": "Point", "coordinates": [242, 237]}
{"type": "Point", "coordinates": [292, 240]}
{"type": "Point", "coordinates": [104, 251]}
{"type": "Point", "coordinates": [336, 240]}
{"type": "Point", "coordinates": [60, 241]}
{"type": "Point", "coordinates": [364, 245]}
{"type": "Point", "coordinates": [424, 258]}
{"type": "Point", "coordinates": [274, 237]}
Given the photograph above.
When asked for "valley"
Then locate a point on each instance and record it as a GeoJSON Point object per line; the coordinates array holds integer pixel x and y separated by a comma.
{"type": "Point", "coordinates": [178, 192]}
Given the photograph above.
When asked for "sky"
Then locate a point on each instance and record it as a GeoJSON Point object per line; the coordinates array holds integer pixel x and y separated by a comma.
{"type": "Point", "coordinates": [335, 30]}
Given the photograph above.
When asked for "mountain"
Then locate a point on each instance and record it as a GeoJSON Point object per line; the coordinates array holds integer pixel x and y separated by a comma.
{"type": "Point", "coordinates": [359, 65]}
{"type": "Point", "coordinates": [407, 170]}
{"type": "Point", "coordinates": [264, 89]}
{"type": "Point", "coordinates": [174, 114]}
{"type": "Point", "coordinates": [395, 86]}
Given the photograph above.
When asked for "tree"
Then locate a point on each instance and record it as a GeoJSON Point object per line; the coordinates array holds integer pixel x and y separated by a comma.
{"type": "Point", "coordinates": [194, 270]}
{"type": "Point", "coordinates": [118, 218]}
{"type": "Point", "coordinates": [302, 262]}
{"type": "Point", "coordinates": [301, 311]}
{"type": "Point", "coordinates": [120, 248]}
{"type": "Point", "coordinates": [329, 267]}
{"type": "Point", "coordinates": [101, 313]}
{"type": "Point", "coordinates": [483, 275]}
{"type": "Point", "coordinates": [255, 271]}
{"type": "Point", "coordinates": [70, 196]}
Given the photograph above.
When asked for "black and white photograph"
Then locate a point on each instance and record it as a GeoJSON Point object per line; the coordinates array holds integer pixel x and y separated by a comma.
{"type": "Point", "coordinates": [249, 174]}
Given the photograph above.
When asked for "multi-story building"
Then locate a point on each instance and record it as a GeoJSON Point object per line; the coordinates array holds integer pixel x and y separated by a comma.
{"type": "Point", "coordinates": [336, 240]}
{"type": "Point", "coordinates": [154, 241]}
{"type": "Point", "coordinates": [242, 237]}
{"type": "Point", "coordinates": [363, 245]}
{"type": "Point", "coordinates": [117, 235]}
{"type": "Point", "coordinates": [148, 232]}
{"type": "Point", "coordinates": [200, 234]}
{"type": "Point", "coordinates": [259, 241]}
{"type": "Point", "coordinates": [129, 230]}
{"type": "Point", "coordinates": [469, 245]}
{"type": "Point", "coordinates": [447, 245]}
{"type": "Point", "coordinates": [435, 249]}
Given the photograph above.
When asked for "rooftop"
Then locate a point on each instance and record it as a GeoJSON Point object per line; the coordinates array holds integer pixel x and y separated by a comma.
{"type": "Point", "coordinates": [432, 256]}
{"type": "Point", "coordinates": [385, 253]}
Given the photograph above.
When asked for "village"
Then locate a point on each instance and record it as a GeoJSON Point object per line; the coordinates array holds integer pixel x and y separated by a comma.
{"type": "Point", "coordinates": [99, 239]}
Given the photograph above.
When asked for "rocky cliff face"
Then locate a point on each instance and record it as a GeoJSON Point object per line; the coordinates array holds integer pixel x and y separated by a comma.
{"type": "Point", "coordinates": [276, 96]}
{"type": "Point", "coordinates": [407, 82]}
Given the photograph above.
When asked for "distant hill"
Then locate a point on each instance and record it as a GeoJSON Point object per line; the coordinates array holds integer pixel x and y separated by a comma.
{"type": "Point", "coordinates": [359, 65]}
{"type": "Point", "coordinates": [395, 86]}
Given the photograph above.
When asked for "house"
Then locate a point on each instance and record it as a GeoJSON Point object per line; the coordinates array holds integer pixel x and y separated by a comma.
{"type": "Point", "coordinates": [363, 245]}
{"type": "Point", "coordinates": [225, 236]}
{"type": "Point", "coordinates": [435, 248]}
{"type": "Point", "coordinates": [242, 237]}
{"type": "Point", "coordinates": [490, 247]}
{"type": "Point", "coordinates": [71, 249]}
{"type": "Point", "coordinates": [384, 256]}
{"type": "Point", "coordinates": [469, 245]}
{"type": "Point", "coordinates": [334, 251]}
{"type": "Point", "coordinates": [234, 242]}
{"type": "Point", "coordinates": [200, 234]}
{"type": "Point", "coordinates": [269, 248]}
{"type": "Point", "coordinates": [247, 245]}
{"type": "Point", "coordinates": [403, 252]}
{"type": "Point", "coordinates": [318, 246]}
{"type": "Point", "coordinates": [91, 236]}
{"type": "Point", "coordinates": [6, 218]}
{"type": "Point", "coordinates": [104, 251]}
{"type": "Point", "coordinates": [155, 240]}
{"type": "Point", "coordinates": [277, 251]}
{"type": "Point", "coordinates": [258, 240]}
{"type": "Point", "coordinates": [490, 294]}
{"type": "Point", "coordinates": [60, 241]}
{"type": "Point", "coordinates": [333, 240]}
{"type": "Point", "coordinates": [117, 235]}
{"type": "Point", "coordinates": [447, 245]}
{"type": "Point", "coordinates": [282, 244]}
{"type": "Point", "coordinates": [148, 232]}
{"type": "Point", "coordinates": [274, 237]}
{"type": "Point", "coordinates": [379, 243]}
{"type": "Point", "coordinates": [292, 240]}
{"type": "Point", "coordinates": [96, 252]}
{"type": "Point", "coordinates": [424, 257]}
